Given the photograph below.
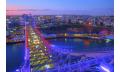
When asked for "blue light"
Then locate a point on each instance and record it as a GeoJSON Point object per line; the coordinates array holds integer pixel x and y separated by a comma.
{"type": "Point", "coordinates": [105, 69]}
{"type": "Point", "coordinates": [17, 70]}
{"type": "Point", "coordinates": [47, 66]}
{"type": "Point", "coordinates": [37, 46]}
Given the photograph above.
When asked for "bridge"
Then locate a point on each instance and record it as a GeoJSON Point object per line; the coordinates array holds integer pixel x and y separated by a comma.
{"type": "Point", "coordinates": [41, 57]}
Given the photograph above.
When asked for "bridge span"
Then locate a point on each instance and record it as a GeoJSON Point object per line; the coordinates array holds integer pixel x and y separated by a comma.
{"type": "Point", "coordinates": [40, 57]}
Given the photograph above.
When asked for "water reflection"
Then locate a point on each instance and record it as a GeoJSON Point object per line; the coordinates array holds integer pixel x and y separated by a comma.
{"type": "Point", "coordinates": [82, 44]}
{"type": "Point", "coordinates": [86, 42]}
{"type": "Point", "coordinates": [15, 56]}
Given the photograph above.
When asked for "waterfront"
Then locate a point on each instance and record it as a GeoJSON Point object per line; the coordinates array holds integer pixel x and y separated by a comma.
{"type": "Point", "coordinates": [52, 45]}
{"type": "Point", "coordinates": [60, 36]}
{"type": "Point", "coordinates": [15, 52]}
{"type": "Point", "coordinates": [15, 56]}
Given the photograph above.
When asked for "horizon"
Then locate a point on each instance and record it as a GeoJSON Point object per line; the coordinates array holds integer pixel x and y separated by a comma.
{"type": "Point", "coordinates": [87, 7]}
{"type": "Point", "coordinates": [97, 12]}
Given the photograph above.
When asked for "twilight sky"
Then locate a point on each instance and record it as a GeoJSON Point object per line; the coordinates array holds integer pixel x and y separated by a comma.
{"type": "Point", "coordinates": [93, 7]}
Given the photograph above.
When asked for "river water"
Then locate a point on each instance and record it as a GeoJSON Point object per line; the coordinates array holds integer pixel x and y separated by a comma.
{"type": "Point", "coordinates": [14, 56]}
{"type": "Point", "coordinates": [82, 45]}
{"type": "Point", "coordinates": [15, 52]}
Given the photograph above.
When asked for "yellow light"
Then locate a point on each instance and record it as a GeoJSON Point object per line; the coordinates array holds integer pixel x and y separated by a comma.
{"type": "Point", "coordinates": [40, 50]}
{"type": "Point", "coordinates": [77, 35]}
{"type": "Point", "coordinates": [42, 54]}
{"type": "Point", "coordinates": [65, 34]}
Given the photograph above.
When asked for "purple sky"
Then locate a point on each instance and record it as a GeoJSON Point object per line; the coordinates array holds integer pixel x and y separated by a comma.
{"type": "Point", "coordinates": [92, 7]}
